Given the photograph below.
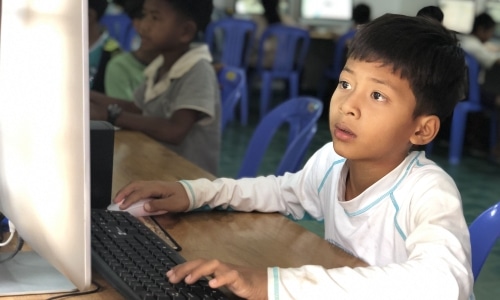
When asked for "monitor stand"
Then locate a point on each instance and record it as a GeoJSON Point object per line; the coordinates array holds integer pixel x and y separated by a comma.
{"type": "Point", "coordinates": [29, 273]}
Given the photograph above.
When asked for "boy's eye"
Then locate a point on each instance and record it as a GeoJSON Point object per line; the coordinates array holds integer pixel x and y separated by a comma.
{"type": "Point", "coordinates": [378, 96]}
{"type": "Point", "coordinates": [344, 85]}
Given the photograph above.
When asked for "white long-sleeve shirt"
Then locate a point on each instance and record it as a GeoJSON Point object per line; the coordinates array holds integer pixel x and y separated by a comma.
{"type": "Point", "coordinates": [409, 226]}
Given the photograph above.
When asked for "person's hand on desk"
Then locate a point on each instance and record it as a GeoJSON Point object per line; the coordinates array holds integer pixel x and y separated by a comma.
{"type": "Point", "coordinates": [168, 196]}
{"type": "Point", "coordinates": [247, 283]}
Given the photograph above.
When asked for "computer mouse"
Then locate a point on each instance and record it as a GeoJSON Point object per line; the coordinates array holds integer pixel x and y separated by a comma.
{"type": "Point", "coordinates": [136, 209]}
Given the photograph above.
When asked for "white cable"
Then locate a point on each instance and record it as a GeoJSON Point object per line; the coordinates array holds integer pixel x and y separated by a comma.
{"type": "Point", "coordinates": [12, 230]}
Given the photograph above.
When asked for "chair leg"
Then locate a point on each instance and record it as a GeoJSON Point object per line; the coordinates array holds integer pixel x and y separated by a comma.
{"type": "Point", "coordinates": [265, 93]}
{"type": "Point", "coordinates": [457, 133]}
{"type": "Point", "coordinates": [244, 105]}
{"type": "Point", "coordinates": [494, 127]}
{"type": "Point", "coordinates": [293, 81]}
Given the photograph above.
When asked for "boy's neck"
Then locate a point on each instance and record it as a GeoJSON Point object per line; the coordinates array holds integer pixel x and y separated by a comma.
{"type": "Point", "coordinates": [145, 56]}
{"type": "Point", "coordinates": [169, 58]}
{"type": "Point", "coordinates": [362, 175]}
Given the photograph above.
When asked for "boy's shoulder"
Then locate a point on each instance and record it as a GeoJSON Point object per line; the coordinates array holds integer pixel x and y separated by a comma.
{"type": "Point", "coordinates": [127, 60]}
{"type": "Point", "coordinates": [112, 46]}
{"type": "Point", "coordinates": [418, 174]}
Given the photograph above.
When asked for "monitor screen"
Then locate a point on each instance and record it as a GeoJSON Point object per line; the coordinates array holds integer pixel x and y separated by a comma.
{"type": "Point", "coordinates": [326, 10]}
{"type": "Point", "coordinates": [249, 7]}
{"type": "Point", "coordinates": [44, 142]}
{"type": "Point", "coordinates": [458, 15]}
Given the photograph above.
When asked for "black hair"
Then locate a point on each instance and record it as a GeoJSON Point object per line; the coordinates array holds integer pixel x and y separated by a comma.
{"type": "Point", "coordinates": [99, 6]}
{"type": "Point", "coordinates": [361, 14]}
{"type": "Point", "coordinates": [432, 12]}
{"type": "Point", "coordinates": [133, 8]}
{"type": "Point", "coordinates": [200, 11]}
{"type": "Point", "coordinates": [484, 21]}
{"type": "Point", "coordinates": [421, 51]}
{"type": "Point", "coordinates": [120, 2]}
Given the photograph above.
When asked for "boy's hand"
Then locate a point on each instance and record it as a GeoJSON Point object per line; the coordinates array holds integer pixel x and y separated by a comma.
{"type": "Point", "coordinates": [168, 196]}
{"type": "Point", "coordinates": [247, 283]}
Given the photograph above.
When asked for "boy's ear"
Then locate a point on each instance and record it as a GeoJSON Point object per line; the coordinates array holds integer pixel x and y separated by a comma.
{"type": "Point", "coordinates": [426, 130]}
{"type": "Point", "coordinates": [189, 30]}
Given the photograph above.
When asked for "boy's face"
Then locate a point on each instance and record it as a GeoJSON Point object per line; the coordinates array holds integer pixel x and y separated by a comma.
{"type": "Point", "coordinates": [161, 28]}
{"type": "Point", "coordinates": [371, 113]}
{"type": "Point", "coordinates": [485, 34]}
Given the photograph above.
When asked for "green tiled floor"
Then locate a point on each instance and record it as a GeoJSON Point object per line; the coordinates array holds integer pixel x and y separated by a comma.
{"type": "Point", "coordinates": [477, 179]}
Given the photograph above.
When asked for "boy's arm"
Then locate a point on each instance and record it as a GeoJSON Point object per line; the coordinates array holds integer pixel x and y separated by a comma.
{"type": "Point", "coordinates": [172, 130]}
{"type": "Point", "coordinates": [438, 264]}
{"type": "Point", "coordinates": [100, 99]}
{"type": "Point", "coordinates": [291, 194]}
{"type": "Point", "coordinates": [192, 99]}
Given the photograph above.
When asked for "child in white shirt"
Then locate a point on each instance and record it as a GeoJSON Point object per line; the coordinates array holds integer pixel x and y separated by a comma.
{"type": "Point", "coordinates": [380, 201]}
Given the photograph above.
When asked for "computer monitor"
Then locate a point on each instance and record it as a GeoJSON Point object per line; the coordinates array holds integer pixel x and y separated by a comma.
{"type": "Point", "coordinates": [248, 7]}
{"type": "Point", "coordinates": [458, 15]}
{"type": "Point", "coordinates": [44, 143]}
{"type": "Point", "coordinates": [325, 12]}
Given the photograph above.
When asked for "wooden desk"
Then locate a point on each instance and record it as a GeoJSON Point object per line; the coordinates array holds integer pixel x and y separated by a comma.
{"type": "Point", "coordinates": [253, 239]}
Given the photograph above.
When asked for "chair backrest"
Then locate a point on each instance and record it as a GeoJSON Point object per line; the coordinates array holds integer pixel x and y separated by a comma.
{"type": "Point", "coordinates": [292, 44]}
{"type": "Point", "coordinates": [120, 28]}
{"type": "Point", "coordinates": [473, 94]}
{"type": "Point", "coordinates": [232, 84]}
{"type": "Point", "coordinates": [484, 232]}
{"type": "Point", "coordinates": [301, 115]}
{"type": "Point", "coordinates": [340, 51]}
{"type": "Point", "coordinates": [234, 37]}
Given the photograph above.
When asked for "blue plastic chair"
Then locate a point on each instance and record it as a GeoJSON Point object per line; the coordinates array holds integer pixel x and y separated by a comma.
{"type": "Point", "coordinates": [471, 104]}
{"type": "Point", "coordinates": [333, 71]}
{"type": "Point", "coordinates": [232, 39]}
{"type": "Point", "coordinates": [301, 114]}
{"type": "Point", "coordinates": [484, 232]}
{"type": "Point", "coordinates": [120, 28]}
{"type": "Point", "coordinates": [290, 53]}
{"type": "Point", "coordinates": [232, 84]}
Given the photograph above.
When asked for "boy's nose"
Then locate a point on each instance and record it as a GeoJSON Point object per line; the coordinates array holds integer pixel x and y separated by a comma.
{"type": "Point", "coordinates": [349, 106]}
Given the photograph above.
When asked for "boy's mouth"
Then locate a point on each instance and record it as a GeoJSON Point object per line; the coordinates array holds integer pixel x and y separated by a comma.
{"type": "Point", "coordinates": [342, 132]}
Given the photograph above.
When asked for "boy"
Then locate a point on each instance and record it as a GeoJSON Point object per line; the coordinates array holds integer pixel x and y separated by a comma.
{"type": "Point", "coordinates": [124, 73]}
{"type": "Point", "coordinates": [179, 102]}
{"type": "Point", "coordinates": [102, 46]}
{"type": "Point", "coordinates": [391, 207]}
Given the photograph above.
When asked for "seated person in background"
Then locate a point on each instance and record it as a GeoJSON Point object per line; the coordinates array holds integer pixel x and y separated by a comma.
{"type": "Point", "coordinates": [432, 12]}
{"type": "Point", "coordinates": [179, 102]}
{"type": "Point", "coordinates": [475, 44]}
{"type": "Point", "coordinates": [124, 73]}
{"type": "Point", "coordinates": [361, 14]}
{"type": "Point", "coordinates": [271, 11]}
{"type": "Point", "coordinates": [380, 201]}
{"type": "Point", "coordinates": [102, 46]}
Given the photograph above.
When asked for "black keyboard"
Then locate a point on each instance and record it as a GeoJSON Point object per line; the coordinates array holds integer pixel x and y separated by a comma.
{"type": "Point", "coordinates": [134, 260]}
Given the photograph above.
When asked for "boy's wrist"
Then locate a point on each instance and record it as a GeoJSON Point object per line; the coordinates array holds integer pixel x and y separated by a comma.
{"type": "Point", "coordinates": [114, 111]}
